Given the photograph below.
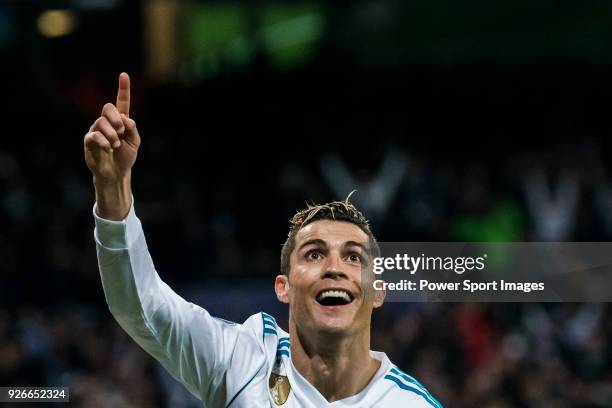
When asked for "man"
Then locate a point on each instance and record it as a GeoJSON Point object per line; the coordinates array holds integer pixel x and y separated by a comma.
{"type": "Point", "coordinates": [324, 360]}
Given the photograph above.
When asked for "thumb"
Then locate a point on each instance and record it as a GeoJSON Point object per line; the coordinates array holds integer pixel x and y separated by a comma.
{"type": "Point", "coordinates": [131, 132]}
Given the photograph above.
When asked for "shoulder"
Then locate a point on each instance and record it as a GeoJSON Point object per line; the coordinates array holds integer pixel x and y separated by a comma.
{"type": "Point", "coordinates": [264, 326]}
{"type": "Point", "coordinates": [272, 338]}
{"type": "Point", "coordinates": [404, 389]}
{"type": "Point", "coordinates": [269, 334]}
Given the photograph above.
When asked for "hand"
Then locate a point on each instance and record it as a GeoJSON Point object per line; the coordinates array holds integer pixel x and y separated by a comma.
{"type": "Point", "coordinates": [111, 145]}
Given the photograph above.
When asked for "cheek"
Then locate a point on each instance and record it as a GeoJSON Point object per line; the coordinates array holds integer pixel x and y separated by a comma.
{"type": "Point", "coordinates": [299, 293]}
{"type": "Point", "coordinates": [304, 267]}
{"type": "Point", "coordinates": [304, 275]}
{"type": "Point", "coordinates": [295, 285]}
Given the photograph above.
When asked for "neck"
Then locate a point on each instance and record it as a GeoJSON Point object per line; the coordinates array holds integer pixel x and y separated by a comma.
{"type": "Point", "coordinates": [338, 367]}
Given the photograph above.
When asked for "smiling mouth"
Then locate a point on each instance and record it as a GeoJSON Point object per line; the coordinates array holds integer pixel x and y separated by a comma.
{"type": "Point", "coordinates": [334, 297]}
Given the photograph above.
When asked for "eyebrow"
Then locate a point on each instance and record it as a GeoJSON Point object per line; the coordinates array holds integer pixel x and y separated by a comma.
{"type": "Point", "coordinates": [364, 247]}
{"type": "Point", "coordinates": [317, 241]}
{"type": "Point", "coordinates": [321, 243]}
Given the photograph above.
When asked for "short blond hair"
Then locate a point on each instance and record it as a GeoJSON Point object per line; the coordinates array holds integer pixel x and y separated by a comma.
{"type": "Point", "coordinates": [333, 211]}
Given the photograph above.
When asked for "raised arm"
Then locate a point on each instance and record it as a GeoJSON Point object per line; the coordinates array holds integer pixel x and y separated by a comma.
{"type": "Point", "coordinates": [195, 348]}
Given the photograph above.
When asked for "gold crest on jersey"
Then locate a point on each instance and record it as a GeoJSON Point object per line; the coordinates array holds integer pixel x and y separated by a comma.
{"type": "Point", "coordinates": [279, 388]}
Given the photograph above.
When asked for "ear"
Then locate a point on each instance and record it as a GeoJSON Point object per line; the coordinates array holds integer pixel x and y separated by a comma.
{"type": "Point", "coordinates": [281, 287]}
{"type": "Point", "coordinates": [379, 298]}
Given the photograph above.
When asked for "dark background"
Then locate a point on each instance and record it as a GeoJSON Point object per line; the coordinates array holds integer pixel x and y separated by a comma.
{"type": "Point", "coordinates": [493, 120]}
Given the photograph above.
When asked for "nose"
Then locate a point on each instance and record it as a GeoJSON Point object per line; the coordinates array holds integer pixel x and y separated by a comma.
{"type": "Point", "coordinates": [333, 269]}
{"type": "Point", "coordinates": [334, 274]}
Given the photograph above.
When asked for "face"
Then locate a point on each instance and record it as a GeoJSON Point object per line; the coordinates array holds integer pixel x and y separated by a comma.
{"type": "Point", "coordinates": [323, 289]}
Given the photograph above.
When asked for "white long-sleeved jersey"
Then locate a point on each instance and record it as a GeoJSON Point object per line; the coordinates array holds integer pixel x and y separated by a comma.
{"type": "Point", "coordinates": [222, 363]}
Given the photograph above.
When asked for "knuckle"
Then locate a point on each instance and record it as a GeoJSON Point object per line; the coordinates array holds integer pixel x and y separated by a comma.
{"type": "Point", "coordinates": [114, 119]}
{"type": "Point", "coordinates": [101, 140]}
{"type": "Point", "coordinates": [113, 133]}
{"type": "Point", "coordinates": [91, 139]}
{"type": "Point", "coordinates": [99, 124]}
{"type": "Point", "coordinates": [112, 136]}
{"type": "Point", "coordinates": [108, 107]}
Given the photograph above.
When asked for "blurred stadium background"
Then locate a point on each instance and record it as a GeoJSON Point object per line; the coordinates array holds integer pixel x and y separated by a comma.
{"type": "Point", "coordinates": [454, 121]}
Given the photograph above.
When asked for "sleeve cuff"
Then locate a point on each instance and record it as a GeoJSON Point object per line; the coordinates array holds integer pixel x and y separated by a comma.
{"type": "Point", "coordinates": [117, 234]}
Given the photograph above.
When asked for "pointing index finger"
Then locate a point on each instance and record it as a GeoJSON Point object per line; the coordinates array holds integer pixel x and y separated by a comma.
{"type": "Point", "coordinates": [123, 94]}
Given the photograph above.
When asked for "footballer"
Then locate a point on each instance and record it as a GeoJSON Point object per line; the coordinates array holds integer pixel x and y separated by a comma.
{"type": "Point", "coordinates": [324, 360]}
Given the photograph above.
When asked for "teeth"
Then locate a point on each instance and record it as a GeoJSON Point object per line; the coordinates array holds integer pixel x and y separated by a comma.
{"type": "Point", "coordinates": [335, 293]}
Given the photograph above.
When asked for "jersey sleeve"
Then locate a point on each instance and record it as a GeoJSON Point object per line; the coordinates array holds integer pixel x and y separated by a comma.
{"type": "Point", "coordinates": [206, 354]}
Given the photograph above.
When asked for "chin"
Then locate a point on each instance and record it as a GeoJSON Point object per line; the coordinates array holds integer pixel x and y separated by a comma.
{"type": "Point", "coordinates": [334, 326]}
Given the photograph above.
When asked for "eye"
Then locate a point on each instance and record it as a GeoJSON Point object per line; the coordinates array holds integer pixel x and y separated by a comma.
{"type": "Point", "coordinates": [314, 255]}
{"type": "Point", "coordinates": [354, 257]}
